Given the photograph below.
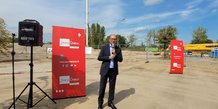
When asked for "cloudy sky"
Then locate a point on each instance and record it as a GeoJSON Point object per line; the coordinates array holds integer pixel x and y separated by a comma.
{"type": "Point", "coordinates": [123, 17]}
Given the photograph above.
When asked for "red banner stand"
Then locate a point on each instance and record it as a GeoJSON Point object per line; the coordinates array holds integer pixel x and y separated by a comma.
{"type": "Point", "coordinates": [177, 57]}
{"type": "Point", "coordinates": [68, 62]}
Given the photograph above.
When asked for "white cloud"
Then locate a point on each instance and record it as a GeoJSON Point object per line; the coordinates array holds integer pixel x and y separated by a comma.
{"type": "Point", "coordinates": [158, 17]}
{"type": "Point", "coordinates": [142, 24]}
{"type": "Point", "coordinates": [194, 3]}
{"type": "Point", "coordinates": [187, 12]}
{"type": "Point", "coordinates": [146, 27]}
{"type": "Point", "coordinates": [121, 31]}
{"type": "Point", "coordinates": [152, 2]}
{"type": "Point", "coordinates": [68, 13]}
{"type": "Point", "coordinates": [205, 8]}
{"type": "Point", "coordinates": [151, 17]}
{"type": "Point", "coordinates": [106, 12]}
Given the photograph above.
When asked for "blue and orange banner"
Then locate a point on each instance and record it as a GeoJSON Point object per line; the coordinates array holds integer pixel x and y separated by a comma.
{"type": "Point", "coordinates": [68, 62]}
{"type": "Point", "coordinates": [177, 57]}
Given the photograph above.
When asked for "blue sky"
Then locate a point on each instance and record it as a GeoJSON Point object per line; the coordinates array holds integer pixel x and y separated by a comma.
{"type": "Point", "coordinates": [123, 17]}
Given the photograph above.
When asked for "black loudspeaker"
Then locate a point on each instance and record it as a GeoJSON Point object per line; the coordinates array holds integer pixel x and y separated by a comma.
{"type": "Point", "coordinates": [30, 33]}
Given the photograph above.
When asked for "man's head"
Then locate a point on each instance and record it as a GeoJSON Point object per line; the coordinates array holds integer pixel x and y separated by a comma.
{"type": "Point", "coordinates": [112, 39]}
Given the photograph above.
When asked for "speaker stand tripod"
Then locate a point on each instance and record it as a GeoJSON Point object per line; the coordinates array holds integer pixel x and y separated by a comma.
{"type": "Point", "coordinates": [12, 54]}
{"type": "Point", "coordinates": [30, 84]}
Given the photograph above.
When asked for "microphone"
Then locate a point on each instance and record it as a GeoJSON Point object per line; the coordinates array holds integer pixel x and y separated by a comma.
{"type": "Point", "coordinates": [113, 49]}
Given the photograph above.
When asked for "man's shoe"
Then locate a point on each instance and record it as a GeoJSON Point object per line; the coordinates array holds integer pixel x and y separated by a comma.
{"type": "Point", "coordinates": [112, 106]}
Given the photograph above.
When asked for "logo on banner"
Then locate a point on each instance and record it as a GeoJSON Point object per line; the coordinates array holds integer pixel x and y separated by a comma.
{"type": "Point", "coordinates": [176, 65]}
{"type": "Point", "coordinates": [177, 48]}
{"type": "Point", "coordinates": [64, 79]}
{"type": "Point", "coordinates": [67, 43]}
{"type": "Point", "coordinates": [64, 42]}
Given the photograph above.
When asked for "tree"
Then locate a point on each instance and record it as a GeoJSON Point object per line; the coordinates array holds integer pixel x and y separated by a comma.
{"type": "Point", "coordinates": [102, 35]}
{"type": "Point", "coordinates": [131, 39]}
{"type": "Point", "coordinates": [200, 36]}
{"type": "Point", "coordinates": [93, 34]}
{"type": "Point", "coordinates": [4, 36]}
{"type": "Point", "coordinates": [209, 41]}
{"type": "Point", "coordinates": [89, 36]}
{"type": "Point", "coordinates": [151, 37]}
{"type": "Point", "coordinates": [165, 35]}
{"type": "Point", "coordinates": [121, 40]}
{"type": "Point", "coordinates": [96, 35]}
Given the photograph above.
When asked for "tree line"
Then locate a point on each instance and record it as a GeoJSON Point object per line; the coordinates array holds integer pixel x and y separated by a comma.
{"type": "Point", "coordinates": [163, 36]}
{"type": "Point", "coordinates": [160, 38]}
{"type": "Point", "coordinates": [97, 37]}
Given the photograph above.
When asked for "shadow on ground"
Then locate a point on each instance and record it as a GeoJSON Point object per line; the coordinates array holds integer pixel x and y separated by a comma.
{"type": "Point", "coordinates": [123, 94]}
{"type": "Point", "coordinates": [46, 103]}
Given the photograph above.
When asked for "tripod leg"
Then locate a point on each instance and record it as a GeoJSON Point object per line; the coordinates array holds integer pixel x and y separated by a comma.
{"type": "Point", "coordinates": [19, 95]}
{"type": "Point", "coordinates": [44, 92]}
{"type": "Point", "coordinates": [29, 103]}
{"type": "Point", "coordinates": [30, 99]}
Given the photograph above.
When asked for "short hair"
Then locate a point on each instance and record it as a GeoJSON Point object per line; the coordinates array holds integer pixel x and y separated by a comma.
{"type": "Point", "coordinates": [112, 35]}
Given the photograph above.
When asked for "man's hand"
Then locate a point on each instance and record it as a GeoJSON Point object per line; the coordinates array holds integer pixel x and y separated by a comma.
{"type": "Point", "coordinates": [112, 56]}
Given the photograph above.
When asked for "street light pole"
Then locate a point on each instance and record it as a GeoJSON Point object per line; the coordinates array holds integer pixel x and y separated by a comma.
{"type": "Point", "coordinates": [87, 23]}
{"type": "Point", "coordinates": [146, 48]}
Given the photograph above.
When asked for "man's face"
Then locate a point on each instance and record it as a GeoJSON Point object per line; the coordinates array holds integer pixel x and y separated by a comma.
{"type": "Point", "coordinates": [113, 39]}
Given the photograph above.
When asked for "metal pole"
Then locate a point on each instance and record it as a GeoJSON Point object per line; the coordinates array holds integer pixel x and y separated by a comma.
{"type": "Point", "coordinates": [147, 61]}
{"type": "Point", "coordinates": [185, 59]}
{"type": "Point", "coordinates": [13, 53]}
{"type": "Point", "coordinates": [87, 22]}
{"type": "Point", "coordinates": [30, 103]}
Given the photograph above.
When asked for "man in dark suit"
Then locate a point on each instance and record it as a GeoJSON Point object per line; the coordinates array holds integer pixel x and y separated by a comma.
{"type": "Point", "coordinates": [110, 54]}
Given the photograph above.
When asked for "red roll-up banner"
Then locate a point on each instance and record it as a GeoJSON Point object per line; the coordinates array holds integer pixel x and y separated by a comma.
{"type": "Point", "coordinates": [177, 57]}
{"type": "Point", "coordinates": [68, 62]}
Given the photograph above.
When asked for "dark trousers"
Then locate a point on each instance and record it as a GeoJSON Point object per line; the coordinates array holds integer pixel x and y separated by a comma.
{"type": "Point", "coordinates": [103, 81]}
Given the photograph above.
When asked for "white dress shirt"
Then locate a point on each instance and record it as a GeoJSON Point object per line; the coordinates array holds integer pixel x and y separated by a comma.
{"type": "Point", "coordinates": [112, 60]}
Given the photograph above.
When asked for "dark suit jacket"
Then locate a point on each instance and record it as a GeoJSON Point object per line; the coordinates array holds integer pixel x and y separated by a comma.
{"type": "Point", "coordinates": [104, 57]}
